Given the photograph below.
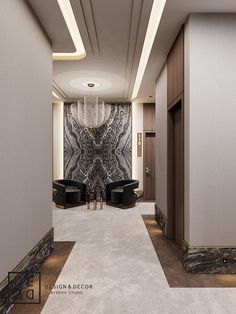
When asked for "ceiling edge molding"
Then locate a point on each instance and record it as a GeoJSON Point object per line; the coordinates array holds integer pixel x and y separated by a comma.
{"type": "Point", "coordinates": [95, 27]}
{"type": "Point", "coordinates": [134, 50]}
{"type": "Point", "coordinates": [128, 51]}
{"type": "Point", "coordinates": [86, 25]}
{"type": "Point", "coordinates": [90, 25]}
{"type": "Point", "coordinates": [59, 90]}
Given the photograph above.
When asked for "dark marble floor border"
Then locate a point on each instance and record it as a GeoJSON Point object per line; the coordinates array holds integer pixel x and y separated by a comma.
{"type": "Point", "coordinates": [160, 218]}
{"type": "Point", "coordinates": [217, 260]}
{"type": "Point", "coordinates": [14, 284]}
{"type": "Point", "coordinates": [50, 271]}
{"type": "Point", "coordinates": [171, 259]}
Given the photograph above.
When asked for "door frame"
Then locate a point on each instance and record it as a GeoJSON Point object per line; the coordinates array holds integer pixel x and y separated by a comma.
{"type": "Point", "coordinates": [144, 165]}
{"type": "Point", "coordinates": [179, 101]}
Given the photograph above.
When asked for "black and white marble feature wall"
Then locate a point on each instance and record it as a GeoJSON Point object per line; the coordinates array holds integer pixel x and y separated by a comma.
{"type": "Point", "coordinates": [101, 155]}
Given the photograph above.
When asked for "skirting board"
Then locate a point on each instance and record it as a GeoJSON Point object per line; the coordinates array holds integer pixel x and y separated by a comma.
{"type": "Point", "coordinates": [9, 290]}
{"type": "Point", "coordinates": [219, 260]}
{"type": "Point", "coordinates": [203, 260]}
{"type": "Point", "coordinates": [161, 219]}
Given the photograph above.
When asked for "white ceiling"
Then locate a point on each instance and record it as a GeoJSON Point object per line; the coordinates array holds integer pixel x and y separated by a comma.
{"type": "Point", "coordinates": [175, 14]}
{"type": "Point", "coordinates": [50, 16]}
{"type": "Point", "coordinates": [113, 33]}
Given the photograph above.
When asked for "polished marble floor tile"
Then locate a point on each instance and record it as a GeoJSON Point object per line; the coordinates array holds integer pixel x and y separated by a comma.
{"type": "Point", "coordinates": [115, 257]}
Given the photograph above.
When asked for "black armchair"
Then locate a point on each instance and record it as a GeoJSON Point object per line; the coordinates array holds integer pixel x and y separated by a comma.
{"type": "Point", "coordinates": [69, 193]}
{"type": "Point", "coordinates": [121, 193]}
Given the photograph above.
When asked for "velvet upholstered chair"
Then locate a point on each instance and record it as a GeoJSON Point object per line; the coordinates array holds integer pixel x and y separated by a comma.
{"type": "Point", "coordinates": [69, 193]}
{"type": "Point", "coordinates": [121, 193]}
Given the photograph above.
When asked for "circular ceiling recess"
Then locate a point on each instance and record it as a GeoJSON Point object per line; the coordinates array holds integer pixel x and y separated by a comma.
{"type": "Point", "coordinates": [75, 83]}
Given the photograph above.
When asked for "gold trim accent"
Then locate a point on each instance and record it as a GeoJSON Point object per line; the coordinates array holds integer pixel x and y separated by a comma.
{"type": "Point", "coordinates": [14, 269]}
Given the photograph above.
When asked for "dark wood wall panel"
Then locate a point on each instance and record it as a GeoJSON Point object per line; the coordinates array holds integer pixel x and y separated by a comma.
{"type": "Point", "coordinates": [175, 68]}
{"type": "Point", "coordinates": [175, 145]}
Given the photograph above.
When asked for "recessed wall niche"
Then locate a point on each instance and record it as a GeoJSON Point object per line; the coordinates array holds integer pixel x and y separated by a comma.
{"type": "Point", "coordinates": [101, 155]}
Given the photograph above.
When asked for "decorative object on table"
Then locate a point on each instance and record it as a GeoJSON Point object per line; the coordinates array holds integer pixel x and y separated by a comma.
{"type": "Point", "coordinates": [70, 193]}
{"type": "Point", "coordinates": [95, 198]}
{"type": "Point", "coordinates": [90, 197]}
{"type": "Point", "coordinates": [121, 193]}
{"type": "Point", "coordinates": [94, 204]}
{"type": "Point", "coordinates": [101, 202]}
{"type": "Point", "coordinates": [91, 200]}
{"type": "Point", "coordinates": [88, 200]}
{"type": "Point", "coordinates": [100, 198]}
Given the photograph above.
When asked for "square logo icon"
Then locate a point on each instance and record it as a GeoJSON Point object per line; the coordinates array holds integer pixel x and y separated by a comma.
{"type": "Point", "coordinates": [31, 294]}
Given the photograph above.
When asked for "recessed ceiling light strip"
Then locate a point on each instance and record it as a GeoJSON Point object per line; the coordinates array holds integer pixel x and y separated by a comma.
{"type": "Point", "coordinates": [153, 24]}
{"type": "Point", "coordinates": [54, 94]}
{"type": "Point", "coordinates": [67, 12]}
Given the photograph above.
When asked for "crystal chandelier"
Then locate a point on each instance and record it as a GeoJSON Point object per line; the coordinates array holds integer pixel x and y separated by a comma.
{"type": "Point", "coordinates": [92, 113]}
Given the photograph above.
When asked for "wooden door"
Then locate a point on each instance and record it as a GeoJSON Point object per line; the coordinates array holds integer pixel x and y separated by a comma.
{"type": "Point", "coordinates": [149, 166]}
{"type": "Point", "coordinates": [175, 143]}
{"type": "Point", "coordinates": [175, 173]}
{"type": "Point", "coordinates": [178, 176]}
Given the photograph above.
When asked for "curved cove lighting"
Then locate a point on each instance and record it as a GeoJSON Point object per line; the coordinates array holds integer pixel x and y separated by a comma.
{"type": "Point", "coordinates": [153, 24]}
{"type": "Point", "coordinates": [54, 94]}
{"type": "Point", "coordinates": [67, 12]}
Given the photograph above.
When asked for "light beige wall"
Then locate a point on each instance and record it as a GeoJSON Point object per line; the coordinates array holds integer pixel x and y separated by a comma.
{"type": "Point", "coordinates": [58, 140]}
{"type": "Point", "coordinates": [137, 127]}
{"type": "Point", "coordinates": [26, 134]}
{"type": "Point", "coordinates": [161, 138]}
{"type": "Point", "coordinates": [210, 130]}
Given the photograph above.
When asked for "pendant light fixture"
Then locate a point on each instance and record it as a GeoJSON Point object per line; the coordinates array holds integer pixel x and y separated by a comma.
{"type": "Point", "coordinates": [92, 113]}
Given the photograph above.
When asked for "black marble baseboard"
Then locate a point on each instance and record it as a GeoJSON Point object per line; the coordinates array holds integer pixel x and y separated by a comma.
{"type": "Point", "coordinates": [24, 272]}
{"type": "Point", "coordinates": [160, 218]}
{"type": "Point", "coordinates": [199, 260]}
